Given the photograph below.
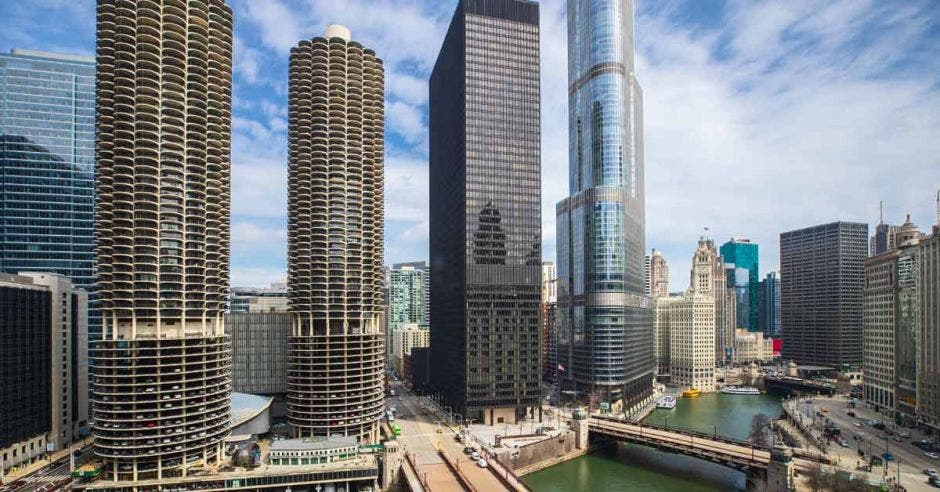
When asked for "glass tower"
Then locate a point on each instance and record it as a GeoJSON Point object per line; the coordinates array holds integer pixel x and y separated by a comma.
{"type": "Point", "coordinates": [485, 220]}
{"type": "Point", "coordinates": [741, 260]}
{"type": "Point", "coordinates": [408, 294]}
{"type": "Point", "coordinates": [47, 166]}
{"type": "Point", "coordinates": [605, 318]}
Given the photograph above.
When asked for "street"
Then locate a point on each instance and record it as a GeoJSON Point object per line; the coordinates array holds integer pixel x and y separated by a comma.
{"type": "Point", "coordinates": [909, 461]}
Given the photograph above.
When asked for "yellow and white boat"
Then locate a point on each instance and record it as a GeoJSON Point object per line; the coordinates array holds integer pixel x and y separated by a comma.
{"type": "Point", "coordinates": [691, 393]}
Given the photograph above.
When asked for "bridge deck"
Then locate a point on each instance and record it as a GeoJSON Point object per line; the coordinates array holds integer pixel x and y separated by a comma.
{"type": "Point", "coordinates": [728, 452]}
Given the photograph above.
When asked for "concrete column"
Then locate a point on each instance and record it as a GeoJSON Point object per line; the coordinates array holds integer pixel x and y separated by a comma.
{"type": "Point", "coordinates": [580, 428]}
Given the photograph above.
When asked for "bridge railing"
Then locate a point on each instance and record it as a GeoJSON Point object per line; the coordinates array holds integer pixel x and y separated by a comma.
{"type": "Point", "coordinates": [685, 432]}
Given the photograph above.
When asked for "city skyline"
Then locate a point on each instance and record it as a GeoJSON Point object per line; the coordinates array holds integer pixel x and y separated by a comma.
{"type": "Point", "coordinates": [701, 61]}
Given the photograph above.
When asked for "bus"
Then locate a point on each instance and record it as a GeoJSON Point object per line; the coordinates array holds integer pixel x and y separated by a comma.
{"type": "Point", "coordinates": [396, 429]}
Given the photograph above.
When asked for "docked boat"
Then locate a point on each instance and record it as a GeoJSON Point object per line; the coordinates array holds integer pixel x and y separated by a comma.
{"type": "Point", "coordinates": [739, 390]}
{"type": "Point", "coordinates": [667, 402]}
{"type": "Point", "coordinates": [691, 393]}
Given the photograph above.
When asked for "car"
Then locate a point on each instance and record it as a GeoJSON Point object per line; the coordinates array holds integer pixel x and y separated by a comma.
{"type": "Point", "coordinates": [932, 455]}
{"type": "Point", "coordinates": [897, 439]}
{"type": "Point", "coordinates": [850, 413]}
{"type": "Point", "coordinates": [481, 463]}
{"type": "Point", "coordinates": [887, 457]}
{"type": "Point", "coordinates": [843, 443]}
{"type": "Point", "coordinates": [930, 472]}
{"type": "Point", "coordinates": [475, 455]}
{"type": "Point", "coordinates": [858, 424]}
{"type": "Point", "coordinates": [468, 450]}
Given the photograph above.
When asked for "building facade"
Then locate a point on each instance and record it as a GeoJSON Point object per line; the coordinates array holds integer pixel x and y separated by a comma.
{"type": "Point", "coordinates": [240, 297]}
{"type": "Point", "coordinates": [741, 260]}
{"type": "Point", "coordinates": [687, 323]}
{"type": "Point", "coordinates": [26, 368]}
{"type": "Point", "coordinates": [47, 166]}
{"type": "Point", "coordinates": [406, 337]}
{"type": "Point", "coordinates": [658, 275]}
{"type": "Point", "coordinates": [409, 294]}
{"type": "Point", "coordinates": [769, 309]}
{"type": "Point", "coordinates": [752, 346]}
{"type": "Point", "coordinates": [549, 321]}
{"type": "Point", "coordinates": [928, 300]}
{"type": "Point", "coordinates": [605, 317]}
{"type": "Point", "coordinates": [708, 278]}
{"type": "Point", "coordinates": [162, 235]}
{"type": "Point", "coordinates": [259, 351]}
{"type": "Point", "coordinates": [485, 215]}
{"type": "Point", "coordinates": [822, 277]}
{"type": "Point", "coordinates": [883, 240]}
{"type": "Point", "coordinates": [336, 354]}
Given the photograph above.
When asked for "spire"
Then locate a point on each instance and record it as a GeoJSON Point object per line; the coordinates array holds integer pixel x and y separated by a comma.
{"type": "Point", "coordinates": [938, 208]}
{"type": "Point", "coordinates": [881, 212]}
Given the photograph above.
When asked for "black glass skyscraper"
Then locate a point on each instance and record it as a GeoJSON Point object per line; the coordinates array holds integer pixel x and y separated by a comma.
{"type": "Point", "coordinates": [485, 221]}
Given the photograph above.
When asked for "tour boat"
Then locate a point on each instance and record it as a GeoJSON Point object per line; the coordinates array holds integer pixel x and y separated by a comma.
{"type": "Point", "coordinates": [668, 402]}
{"type": "Point", "coordinates": [739, 390]}
{"type": "Point", "coordinates": [691, 393]}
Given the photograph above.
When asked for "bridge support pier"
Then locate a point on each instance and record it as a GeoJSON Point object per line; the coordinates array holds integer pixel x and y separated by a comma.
{"type": "Point", "coordinates": [777, 477]}
{"type": "Point", "coordinates": [580, 428]}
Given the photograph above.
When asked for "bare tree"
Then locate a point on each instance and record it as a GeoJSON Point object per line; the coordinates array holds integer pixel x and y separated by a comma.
{"type": "Point", "coordinates": [760, 428]}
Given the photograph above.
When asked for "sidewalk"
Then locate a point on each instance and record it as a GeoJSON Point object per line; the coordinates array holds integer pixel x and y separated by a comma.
{"type": "Point", "coordinates": [28, 470]}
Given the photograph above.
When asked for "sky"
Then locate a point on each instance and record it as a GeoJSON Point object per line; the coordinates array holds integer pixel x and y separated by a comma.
{"type": "Point", "coordinates": [761, 116]}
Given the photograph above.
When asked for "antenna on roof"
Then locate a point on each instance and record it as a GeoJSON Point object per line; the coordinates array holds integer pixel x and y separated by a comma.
{"type": "Point", "coordinates": [938, 207]}
{"type": "Point", "coordinates": [881, 212]}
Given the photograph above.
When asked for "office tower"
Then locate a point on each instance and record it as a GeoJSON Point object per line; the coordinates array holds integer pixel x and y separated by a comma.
{"type": "Point", "coordinates": [409, 293]}
{"type": "Point", "coordinates": [752, 346]}
{"type": "Point", "coordinates": [605, 319]}
{"type": "Point", "coordinates": [890, 327]}
{"type": "Point", "coordinates": [821, 279]}
{"type": "Point", "coordinates": [928, 306]}
{"type": "Point", "coordinates": [259, 351]}
{"type": "Point", "coordinates": [44, 363]}
{"type": "Point", "coordinates": [685, 333]}
{"type": "Point", "coordinates": [485, 221]}
{"type": "Point", "coordinates": [769, 307]}
{"type": "Point", "coordinates": [708, 277]}
{"type": "Point", "coordinates": [164, 81]}
{"type": "Point", "coordinates": [741, 258]}
{"type": "Point", "coordinates": [240, 297]}
{"type": "Point", "coordinates": [336, 94]}
{"type": "Point", "coordinates": [658, 275]}
{"type": "Point", "coordinates": [47, 168]}
{"type": "Point", "coordinates": [549, 320]}
{"type": "Point", "coordinates": [884, 238]}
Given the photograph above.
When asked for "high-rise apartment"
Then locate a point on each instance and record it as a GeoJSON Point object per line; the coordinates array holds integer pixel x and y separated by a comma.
{"type": "Point", "coordinates": [44, 365]}
{"type": "Point", "coordinates": [485, 220]}
{"type": "Point", "coordinates": [741, 261]}
{"type": "Point", "coordinates": [409, 294]}
{"type": "Point", "coordinates": [822, 276]}
{"type": "Point", "coordinates": [769, 307]}
{"type": "Point", "coordinates": [605, 318]}
{"type": "Point", "coordinates": [164, 84]}
{"type": "Point", "coordinates": [336, 94]}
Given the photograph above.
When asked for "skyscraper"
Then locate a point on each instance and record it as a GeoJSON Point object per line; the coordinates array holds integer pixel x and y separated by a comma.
{"type": "Point", "coordinates": [741, 260]}
{"type": "Point", "coordinates": [708, 278]}
{"type": "Point", "coordinates": [164, 79]}
{"type": "Point", "coordinates": [408, 293]}
{"type": "Point", "coordinates": [658, 275]}
{"type": "Point", "coordinates": [605, 318]}
{"type": "Point", "coordinates": [336, 94]}
{"type": "Point", "coordinates": [47, 167]}
{"type": "Point", "coordinates": [769, 306]}
{"type": "Point", "coordinates": [485, 224]}
{"type": "Point", "coordinates": [822, 275]}
{"type": "Point", "coordinates": [549, 320]}
{"type": "Point", "coordinates": [928, 306]}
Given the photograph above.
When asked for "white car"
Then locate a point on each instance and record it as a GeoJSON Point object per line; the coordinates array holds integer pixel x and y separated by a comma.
{"type": "Point", "coordinates": [932, 455]}
{"type": "Point", "coordinates": [481, 463]}
{"type": "Point", "coordinates": [475, 455]}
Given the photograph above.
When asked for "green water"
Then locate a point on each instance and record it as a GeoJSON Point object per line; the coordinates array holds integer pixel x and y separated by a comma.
{"type": "Point", "coordinates": [631, 467]}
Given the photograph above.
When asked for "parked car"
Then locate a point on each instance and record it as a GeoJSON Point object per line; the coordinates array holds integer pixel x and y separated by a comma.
{"type": "Point", "coordinates": [932, 455]}
{"type": "Point", "coordinates": [481, 463]}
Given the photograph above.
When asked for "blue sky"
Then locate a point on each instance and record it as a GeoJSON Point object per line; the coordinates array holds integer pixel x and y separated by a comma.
{"type": "Point", "coordinates": [760, 116]}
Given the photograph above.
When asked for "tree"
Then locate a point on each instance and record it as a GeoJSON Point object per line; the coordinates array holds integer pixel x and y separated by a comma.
{"type": "Point", "coordinates": [760, 425]}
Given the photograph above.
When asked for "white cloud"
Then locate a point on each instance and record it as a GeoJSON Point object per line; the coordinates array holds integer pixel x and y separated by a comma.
{"type": "Point", "coordinates": [277, 24]}
{"type": "Point", "coordinates": [406, 120]}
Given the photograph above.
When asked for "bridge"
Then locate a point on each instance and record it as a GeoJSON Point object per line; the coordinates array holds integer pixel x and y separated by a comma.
{"type": "Point", "coordinates": [788, 384]}
{"type": "Point", "coordinates": [767, 469]}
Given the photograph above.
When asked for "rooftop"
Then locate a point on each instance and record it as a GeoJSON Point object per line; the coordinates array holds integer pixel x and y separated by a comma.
{"type": "Point", "coordinates": [312, 443]}
{"type": "Point", "coordinates": [246, 406]}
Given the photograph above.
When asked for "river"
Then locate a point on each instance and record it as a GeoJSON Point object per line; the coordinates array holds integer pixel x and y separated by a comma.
{"type": "Point", "coordinates": [637, 468]}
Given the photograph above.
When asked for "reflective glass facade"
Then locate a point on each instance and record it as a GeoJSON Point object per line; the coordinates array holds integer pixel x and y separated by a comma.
{"type": "Point", "coordinates": [741, 259]}
{"type": "Point", "coordinates": [605, 317]}
{"type": "Point", "coordinates": [47, 166]}
{"type": "Point", "coordinates": [485, 221]}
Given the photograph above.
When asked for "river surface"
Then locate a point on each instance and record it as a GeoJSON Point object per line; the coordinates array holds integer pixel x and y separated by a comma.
{"type": "Point", "coordinates": [630, 467]}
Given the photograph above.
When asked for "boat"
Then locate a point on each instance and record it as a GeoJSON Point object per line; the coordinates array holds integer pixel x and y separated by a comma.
{"type": "Point", "coordinates": [668, 402]}
{"type": "Point", "coordinates": [739, 390]}
{"type": "Point", "coordinates": [691, 393]}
